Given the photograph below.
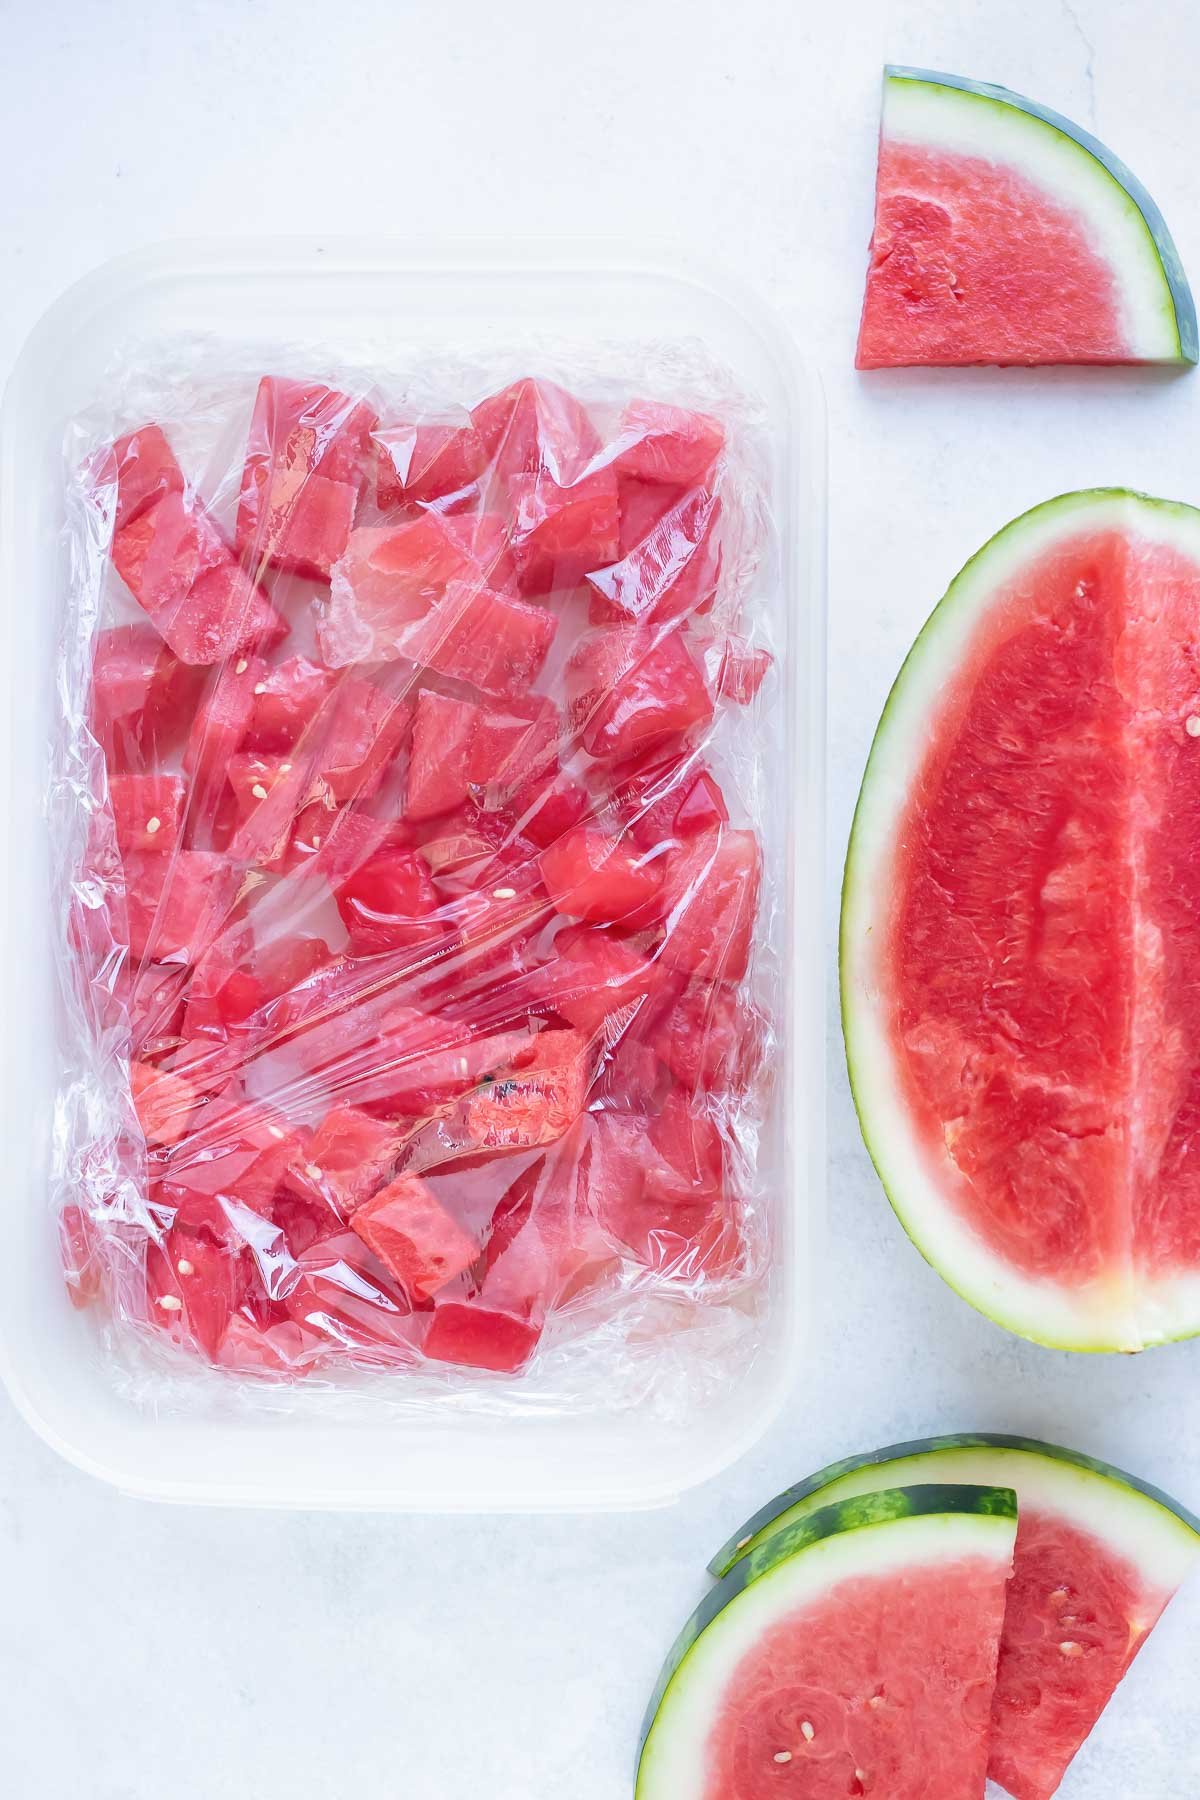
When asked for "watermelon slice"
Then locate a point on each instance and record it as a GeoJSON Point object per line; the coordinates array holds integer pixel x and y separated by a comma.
{"type": "Point", "coordinates": [1005, 234]}
{"type": "Point", "coordinates": [1098, 1556]}
{"type": "Point", "coordinates": [1021, 928]}
{"type": "Point", "coordinates": [852, 1653]}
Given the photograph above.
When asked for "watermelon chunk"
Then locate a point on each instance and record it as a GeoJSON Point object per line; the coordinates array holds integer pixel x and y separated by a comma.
{"type": "Point", "coordinates": [628, 689]}
{"type": "Point", "coordinates": [481, 1337]}
{"type": "Point", "coordinates": [1021, 917]}
{"type": "Point", "coordinates": [148, 811]}
{"type": "Point", "coordinates": [439, 767]}
{"type": "Point", "coordinates": [144, 467]}
{"type": "Point", "coordinates": [427, 462]}
{"type": "Point", "coordinates": [177, 566]}
{"type": "Point", "coordinates": [176, 905]}
{"type": "Point", "coordinates": [414, 1236]}
{"type": "Point", "coordinates": [667, 444]}
{"type": "Point", "coordinates": [561, 531]}
{"type": "Point", "coordinates": [1098, 1556]}
{"type": "Point", "coordinates": [853, 1654]}
{"type": "Point", "coordinates": [534, 426]}
{"type": "Point", "coordinates": [306, 466]}
{"type": "Point", "coordinates": [1005, 234]}
{"type": "Point", "coordinates": [589, 875]}
{"type": "Point", "coordinates": [141, 695]}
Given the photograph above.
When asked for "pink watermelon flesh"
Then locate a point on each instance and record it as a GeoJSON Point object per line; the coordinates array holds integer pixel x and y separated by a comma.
{"type": "Point", "coordinates": [973, 263]}
{"type": "Point", "coordinates": [882, 1687]}
{"type": "Point", "coordinates": [1077, 1615]}
{"type": "Point", "coordinates": [1045, 929]}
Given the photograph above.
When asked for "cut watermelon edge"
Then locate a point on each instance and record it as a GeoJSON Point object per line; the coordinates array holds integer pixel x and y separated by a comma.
{"type": "Point", "coordinates": [874, 1534]}
{"type": "Point", "coordinates": [1046, 1313]}
{"type": "Point", "coordinates": [965, 117]}
{"type": "Point", "coordinates": [1133, 1517]}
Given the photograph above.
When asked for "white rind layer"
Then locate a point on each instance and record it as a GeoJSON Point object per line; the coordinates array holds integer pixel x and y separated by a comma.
{"type": "Point", "coordinates": [1112, 1316]}
{"type": "Point", "coordinates": [962, 122]}
{"type": "Point", "coordinates": [1161, 1546]}
{"type": "Point", "coordinates": [674, 1760]}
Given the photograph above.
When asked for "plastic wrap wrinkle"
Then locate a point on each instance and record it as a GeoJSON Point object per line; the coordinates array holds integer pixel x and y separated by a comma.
{"type": "Point", "coordinates": [419, 908]}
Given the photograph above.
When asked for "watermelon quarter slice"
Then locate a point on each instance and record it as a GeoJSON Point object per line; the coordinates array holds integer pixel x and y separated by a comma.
{"type": "Point", "coordinates": [852, 1653]}
{"type": "Point", "coordinates": [1021, 928]}
{"type": "Point", "coordinates": [1098, 1556]}
{"type": "Point", "coordinates": [1005, 234]}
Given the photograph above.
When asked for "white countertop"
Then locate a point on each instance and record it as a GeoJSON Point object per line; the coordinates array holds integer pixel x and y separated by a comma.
{"type": "Point", "coordinates": [148, 1651]}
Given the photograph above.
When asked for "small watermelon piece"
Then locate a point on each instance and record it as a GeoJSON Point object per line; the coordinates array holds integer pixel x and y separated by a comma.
{"type": "Point", "coordinates": [1021, 922]}
{"type": "Point", "coordinates": [178, 567]}
{"type": "Point", "coordinates": [427, 462]}
{"type": "Point", "coordinates": [560, 531]}
{"type": "Point", "coordinates": [481, 1337]}
{"type": "Point", "coordinates": [533, 426]}
{"type": "Point", "coordinates": [414, 1236]}
{"type": "Point", "coordinates": [667, 444]}
{"type": "Point", "coordinates": [1098, 1556]}
{"type": "Point", "coordinates": [439, 766]}
{"type": "Point", "coordinates": [144, 467]}
{"type": "Point", "coordinates": [176, 905]}
{"type": "Point", "coordinates": [306, 466]}
{"type": "Point", "coordinates": [1005, 234]}
{"type": "Point", "coordinates": [628, 689]}
{"type": "Point", "coordinates": [285, 701]}
{"type": "Point", "coordinates": [853, 1653]}
{"type": "Point", "coordinates": [669, 572]}
{"type": "Point", "coordinates": [148, 811]}
{"type": "Point", "coordinates": [141, 695]}
{"type": "Point", "coordinates": [589, 875]}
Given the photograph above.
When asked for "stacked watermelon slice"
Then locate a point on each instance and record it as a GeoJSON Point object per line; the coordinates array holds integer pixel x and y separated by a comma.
{"type": "Point", "coordinates": [914, 1622]}
{"type": "Point", "coordinates": [414, 898]}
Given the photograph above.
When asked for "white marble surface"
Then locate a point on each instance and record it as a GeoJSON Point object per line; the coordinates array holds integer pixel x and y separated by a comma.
{"type": "Point", "coordinates": [146, 1651]}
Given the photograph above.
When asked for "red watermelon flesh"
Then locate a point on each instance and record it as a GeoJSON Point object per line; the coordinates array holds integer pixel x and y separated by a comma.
{"type": "Point", "coordinates": [972, 263]}
{"type": "Point", "coordinates": [1046, 921]}
{"type": "Point", "coordinates": [1005, 234]}
{"type": "Point", "coordinates": [827, 1690]}
{"type": "Point", "coordinates": [1077, 1615]}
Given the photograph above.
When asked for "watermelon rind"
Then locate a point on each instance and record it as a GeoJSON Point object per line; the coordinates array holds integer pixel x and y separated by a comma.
{"type": "Point", "coordinates": [1113, 1314]}
{"type": "Point", "coordinates": [1122, 222]}
{"type": "Point", "coordinates": [1141, 1523]}
{"type": "Point", "coordinates": [893, 1529]}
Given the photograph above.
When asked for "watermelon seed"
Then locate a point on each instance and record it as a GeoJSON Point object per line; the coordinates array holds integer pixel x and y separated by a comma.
{"type": "Point", "coordinates": [742, 1542]}
{"type": "Point", "coordinates": [240, 667]}
{"type": "Point", "coordinates": [511, 893]}
{"type": "Point", "coordinates": [184, 1266]}
{"type": "Point", "coordinates": [285, 768]}
{"type": "Point", "coordinates": [806, 1731]}
{"type": "Point", "coordinates": [260, 687]}
{"type": "Point", "coordinates": [1192, 727]}
{"type": "Point", "coordinates": [169, 1303]}
{"type": "Point", "coordinates": [1059, 1595]}
{"type": "Point", "coordinates": [312, 1171]}
{"type": "Point", "coordinates": [782, 1756]}
{"type": "Point", "coordinates": [153, 824]}
{"type": "Point", "coordinates": [1069, 1648]}
{"type": "Point", "coordinates": [259, 791]}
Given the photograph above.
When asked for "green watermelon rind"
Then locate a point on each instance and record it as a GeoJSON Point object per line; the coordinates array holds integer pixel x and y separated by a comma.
{"type": "Point", "coordinates": [885, 1510]}
{"type": "Point", "coordinates": [1016, 1302]}
{"type": "Point", "coordinates": [775, 1516]}
{"type": "Point", "coordinates": [1162, 265]}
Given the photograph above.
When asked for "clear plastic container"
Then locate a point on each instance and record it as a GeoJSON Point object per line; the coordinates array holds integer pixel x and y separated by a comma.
{"type": "Point", "coordinates": [353, 296]}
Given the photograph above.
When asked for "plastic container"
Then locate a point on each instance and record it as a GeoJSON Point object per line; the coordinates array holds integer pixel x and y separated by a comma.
{"type": "Point", "coordinates": [345, 294]}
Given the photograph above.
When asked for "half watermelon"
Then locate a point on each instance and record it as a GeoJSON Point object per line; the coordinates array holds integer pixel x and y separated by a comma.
{"type": "Point", "coordinates": [852, 1653]}
{"type": "Point", "coordinates": [1005, 234]}
{"type": "Point", "coordinates": [1020, 934]}
{"type": "Point", "coordinates": [1098, 1556]}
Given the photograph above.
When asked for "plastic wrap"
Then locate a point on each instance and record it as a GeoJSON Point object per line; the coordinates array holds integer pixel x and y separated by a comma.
{"type": "Point", "coordinates": [416, 892]}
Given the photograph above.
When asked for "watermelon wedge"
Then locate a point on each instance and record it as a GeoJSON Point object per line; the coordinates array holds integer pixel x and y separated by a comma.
{"type": "Point", "coordinates": [1021, 928]}
{"type": "Point", "coordinates": [1098, 1556]}
{"type": "Point", "coordinates": [1005, 234]}
{"type": "Point", "coordinates": [852, 1653]}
